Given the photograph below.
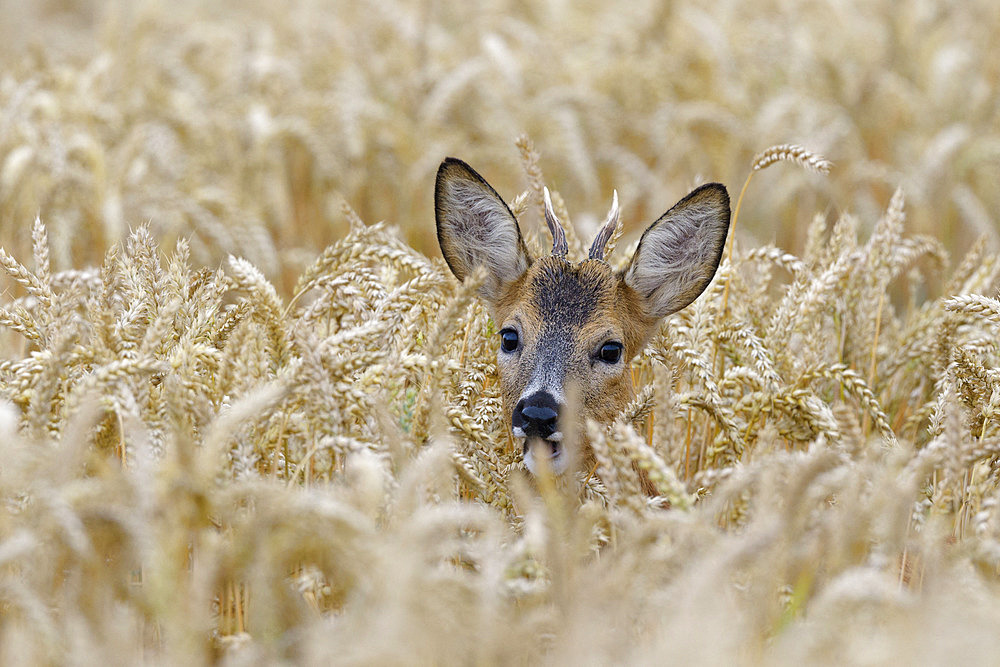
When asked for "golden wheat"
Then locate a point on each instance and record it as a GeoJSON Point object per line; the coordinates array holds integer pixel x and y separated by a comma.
{"type": "Point", "coordinates": [797, 154]}
{"type": "Point", "coordinates": [266, 429]}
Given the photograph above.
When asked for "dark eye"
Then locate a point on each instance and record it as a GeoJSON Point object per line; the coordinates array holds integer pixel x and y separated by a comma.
{"type": "Point", "coordinates": [508, 340]}
{"type": "Point", "coordinates": [610, 353]}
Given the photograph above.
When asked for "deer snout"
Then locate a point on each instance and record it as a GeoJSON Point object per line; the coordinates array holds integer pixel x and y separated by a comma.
{"type": "Point", "coordinates": [536, 419]}
{"type": "Point", "coordinates": [536, 416]}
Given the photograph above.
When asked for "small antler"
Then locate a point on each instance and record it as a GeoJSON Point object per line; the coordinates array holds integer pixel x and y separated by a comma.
{"type": "Point", "coordinates": [559, 247]}
{"type": "Point", "coordinates": [607, 231]}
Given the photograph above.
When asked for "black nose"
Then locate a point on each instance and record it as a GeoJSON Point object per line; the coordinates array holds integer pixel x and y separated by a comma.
{"type": "Point", "coordinates": [537, 415]}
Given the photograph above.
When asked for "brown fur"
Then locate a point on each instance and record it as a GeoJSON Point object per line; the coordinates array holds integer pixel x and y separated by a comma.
{"type": "Point", "coordinates": [614, 306]}
{"type": "Point", "coordinates": [565, 312]}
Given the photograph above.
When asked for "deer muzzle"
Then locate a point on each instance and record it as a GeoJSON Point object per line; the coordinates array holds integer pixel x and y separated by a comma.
{"type": "Point", "coordinates": [536, 419]}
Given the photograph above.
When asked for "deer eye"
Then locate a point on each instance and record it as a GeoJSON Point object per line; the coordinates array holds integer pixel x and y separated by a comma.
{"type": "Point", "coordinates": [610, 352]}
{"type": "Point", "coordinates": [508, 340]}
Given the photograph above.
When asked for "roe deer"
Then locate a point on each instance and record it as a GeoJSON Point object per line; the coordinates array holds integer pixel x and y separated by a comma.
{"type": "Point", "coordinates": [572, 329]}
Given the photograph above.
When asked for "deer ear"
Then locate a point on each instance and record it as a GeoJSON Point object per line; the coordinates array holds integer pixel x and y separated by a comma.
{"type": "Point", "coordinates": [678, 255]}
{"type": "Point", "coordinates": [476, 228]}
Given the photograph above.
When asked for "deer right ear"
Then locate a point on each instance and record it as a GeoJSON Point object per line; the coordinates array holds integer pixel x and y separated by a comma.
{"type": "Point", "coordinates": [476, 228]}
{"type": "Point", "coordinates": [679, 253]}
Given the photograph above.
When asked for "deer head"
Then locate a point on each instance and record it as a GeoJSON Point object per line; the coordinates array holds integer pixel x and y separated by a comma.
{"type": "Point", "coordinates": [570, 330]}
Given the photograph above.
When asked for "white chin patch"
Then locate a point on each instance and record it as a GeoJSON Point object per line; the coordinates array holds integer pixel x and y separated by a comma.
{"type": "Point", "coordinates": [536, 449]}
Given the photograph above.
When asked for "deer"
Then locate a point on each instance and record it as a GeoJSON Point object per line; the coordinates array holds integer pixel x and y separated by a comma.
{"type": "Point", "coordinates": [569, 331]}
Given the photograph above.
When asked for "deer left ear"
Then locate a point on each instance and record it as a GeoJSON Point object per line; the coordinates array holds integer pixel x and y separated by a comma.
{"type": "Point", "coordinates": [476, 228]}
{"type": "Point", "coordinates": [678, 255]}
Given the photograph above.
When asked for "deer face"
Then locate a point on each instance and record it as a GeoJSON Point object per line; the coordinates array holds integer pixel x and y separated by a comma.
{"type": "Point", "coordinates": [568, 331]}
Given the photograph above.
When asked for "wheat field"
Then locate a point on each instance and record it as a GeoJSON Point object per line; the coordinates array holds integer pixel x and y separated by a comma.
{"type": "Point", "coordinates": [247, 416]}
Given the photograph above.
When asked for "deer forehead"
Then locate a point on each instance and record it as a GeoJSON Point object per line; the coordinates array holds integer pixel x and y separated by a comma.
{"type": "Point", "coordinates": [573, 302]}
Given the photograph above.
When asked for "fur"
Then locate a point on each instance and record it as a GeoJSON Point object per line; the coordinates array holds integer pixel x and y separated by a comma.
{"type": "Point", "coordinates": [565, 312]}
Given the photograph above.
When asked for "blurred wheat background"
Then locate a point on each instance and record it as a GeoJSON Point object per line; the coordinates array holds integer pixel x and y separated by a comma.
{"type": "Point", "coordinates": [247, 415]}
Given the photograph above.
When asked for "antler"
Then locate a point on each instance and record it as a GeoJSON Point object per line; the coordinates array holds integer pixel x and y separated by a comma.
{"type": "Point", "coordinates": [607, 231]}
{"type": "Point", "coordinates": [559, 247]}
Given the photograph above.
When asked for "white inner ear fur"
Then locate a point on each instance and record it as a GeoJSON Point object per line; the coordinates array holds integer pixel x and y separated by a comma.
{"type": "Point", "coordinates": [678, 255]}
{"type": "Point", "coordinates": [477, 229]}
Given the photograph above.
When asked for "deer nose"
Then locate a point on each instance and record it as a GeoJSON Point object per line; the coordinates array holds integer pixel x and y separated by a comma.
{"type": "Point", "coordinates": [536, 416]}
